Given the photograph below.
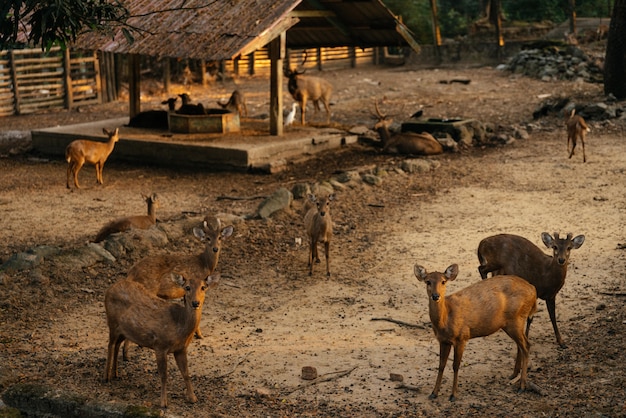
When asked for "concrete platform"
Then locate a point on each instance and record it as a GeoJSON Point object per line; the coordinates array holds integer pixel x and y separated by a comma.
{"type": "Point", "coordinates": [249, 149]}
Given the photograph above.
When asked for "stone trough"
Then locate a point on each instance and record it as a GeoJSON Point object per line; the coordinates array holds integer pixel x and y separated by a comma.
{"type": "Point", "coordinates": [216, 121]}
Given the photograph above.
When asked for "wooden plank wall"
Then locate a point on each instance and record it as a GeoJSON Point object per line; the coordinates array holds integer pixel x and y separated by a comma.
{"type": "Point", "coordinates": [32, 80]}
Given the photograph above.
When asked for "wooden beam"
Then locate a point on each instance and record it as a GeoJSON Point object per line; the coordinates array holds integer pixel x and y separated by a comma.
{"type": "Point", "coordinates": [134, 85]}
{"type": "Point", "coordinates": [312, 13]}
{"type": "Point", "coordinates": [277, 51]}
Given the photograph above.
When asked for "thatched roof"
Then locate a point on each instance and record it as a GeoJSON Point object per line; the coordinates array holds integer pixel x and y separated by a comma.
{"type": "Point", "coordinates": [214, 30]}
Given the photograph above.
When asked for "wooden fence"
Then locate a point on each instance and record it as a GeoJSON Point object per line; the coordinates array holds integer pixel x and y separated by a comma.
{"type": "Point", "coordinates": [31, 80]}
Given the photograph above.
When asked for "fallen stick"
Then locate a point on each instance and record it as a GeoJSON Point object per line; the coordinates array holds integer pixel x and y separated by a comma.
{"type": "Point", "coordinates": [613, 293]}
{"type": "Point", "coordinates": [397, 321]}
{"type": "Point", "coordinates": [234, 367]}
{"type": "Point", "coordinates": [529, 386]}
{"type": "Point", "coordinates": [321, 379]}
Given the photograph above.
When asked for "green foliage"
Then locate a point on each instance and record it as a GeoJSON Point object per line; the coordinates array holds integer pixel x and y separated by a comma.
{"type": "Point", "coordinates": [55, 22]}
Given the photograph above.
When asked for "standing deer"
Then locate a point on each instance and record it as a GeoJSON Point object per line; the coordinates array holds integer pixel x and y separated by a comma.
{"type": "Point", "coordinates": [576, 128]}
{"type": "Point", "coordinates": [512, 254]}
{"type": "Point", "coordinates": [319, 228]}
{"type": "Point", "coordinates": [129, 222]}
{"type": "Point", "coordinates": [154, 272]}
{"type": "Point", "coordinates": [237, 101]}
{"type": "Point", "coordinates": [134, 314]}
{"type": "Point", "coordinates": [406, 143]}
{"type": "Point", "coordinates": [305, 88]}
{"type": "Point", "coordinates": [478, 310]}
{"type": "Point", "coordinates": [82, 151]}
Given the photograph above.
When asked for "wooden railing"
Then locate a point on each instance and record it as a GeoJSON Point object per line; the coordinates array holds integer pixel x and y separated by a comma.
{"type": "Point", "coordinates": [31, 80]}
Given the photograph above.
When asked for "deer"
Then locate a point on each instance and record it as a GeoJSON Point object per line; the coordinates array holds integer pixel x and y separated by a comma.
{"type": "Point", "coordinates": [188, 108]}
{"type": "Point", "coordinates": [512, 254]}
{"type": "Point", "coordinates": [477, 310]}
{"type": "Point", "coordinates": [81, 151]}
{"type": "Point", "coordinates": [576, 128]}
{"type": "Point", "coordinates": [154, 119]}
{"type": "Point", "coordinates": [154, 272]}
{"type": "Point", "coordinates": [405, 143]}
{"type": "Point", "coordinates": [319, 228]}
{"type": "Point", "coordinates": [305, 88]}
{"type": "Point", "coordinates": [129, 222]}
{"type": "Point", "coordinates": [237, 101]}
{"type": "Point", "coordinates": [135, 314]}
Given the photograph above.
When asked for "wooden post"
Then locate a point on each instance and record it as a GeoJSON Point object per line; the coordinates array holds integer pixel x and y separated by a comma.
{"type": "Point", "coordinates": [572, 18]}
{"type": "Point", "coordinates": [277, 54]}
{"type": "Point", "coordinates": [251, 63]}
{"type": "Point", "coordinates": [134, 85]}
{"type": "Point", "coordinates": [16, 86]}
{"type": "Point", "coordinates": [352, 54]}
{"type": "Point", "coordinates": [96, 69]}
{"type": "Point", "coordinates": [319, 59]}
{"type": "Point", "coordinates": [203, 73]}
{"type": "Point", "coordinates": [436, 30]}
{"type": "Point", "coordinates": [167, 75]}
{"type": "Point", "coordinates": [67, 77]}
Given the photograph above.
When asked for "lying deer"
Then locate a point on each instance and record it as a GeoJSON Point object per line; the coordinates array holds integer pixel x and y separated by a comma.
{"type": "Point", "coordinates": [154, 119]}
{"type": "Point", "coordinates": [134, 314]}
{"type": "Point", "coordinates": [188, 108]}
{"type": "Point", "coordinates": [512, 254]}
{"type": "Point", "coordinates": [478, 310]}
{"type": "Point", "coordinates": [319, 228]}
{"type": "Point", "coordinates": [154, 272]}
{"type": "Point", "coordinates": [303, 89]}
{"type": "Point", "coordinates": [129, 222]}
{"type": "Point", "coordinates": [237, 102]}
{"type": "Point", "coordinates": [405, 143]}
{"type": "Point", "coordinates": [576, 128]}
{"type": "Point", "coordinates": [82, 151]}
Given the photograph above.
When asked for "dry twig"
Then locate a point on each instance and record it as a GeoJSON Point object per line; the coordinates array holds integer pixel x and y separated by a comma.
{"type": "Point", "coordinates": [397, 321]}
{"type": "Point", "coordinates": [327, 377]}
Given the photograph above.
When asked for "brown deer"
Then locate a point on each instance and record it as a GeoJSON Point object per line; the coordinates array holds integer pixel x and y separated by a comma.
{"type": "Point", "coordinates": [478, 310]}
{"type": "Point", "coordinates": [134, 314]}
{"type": "Point", "coordinates": [154, 272]}
{"type": "Point", "coordinates": [319, 228]}
{"type": "Point", "coordinates": [129, 222]}
{"type": "Point", "coordinates": [512, 254]}
{"type": "Point", "coordinates": [188, 108]}
{"type": "Point", "coordinates": [305, 88]}
{"type": "Point", "coordinates": [237, 101]}
{"type": "Point", "coordinates": [405, 143]}
{"type": "Point", "coordinates": [82, 151]}
{"type": "Point", "coordinates": [576, 128]}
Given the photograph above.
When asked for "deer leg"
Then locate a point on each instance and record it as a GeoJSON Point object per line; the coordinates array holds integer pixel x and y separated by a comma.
{"type": "Point", "coordinates": [458, 355]}
{"type": "Point", "coordinates": [444, 352]}
{"type": "Point", "coordinates": [69, 171]}
{"type": "Point", "coordinates": [327, 107]}
{"type": "Point", "coordinates": [181, 361]}
{"type": "Point", "coordinates": [487, 268]}
{"type": "Point", "coordinates": [573, 146]}
{"type": "Point", "coordinates": [161, 359]}
{"type": "Point", "coordinates": [302, 109]}
{"type": "Point", "coordinates": [76, 169]}
{"type": "Point", "coordinates": [312, 245]}
{"type": "Point", "coordinates": [197, 333]}
{"type": "Point", "coordinates": [551, 305]}
{"type": "Point", "coordinates": [327, 252]}
{"type": "Point", "coordinates": [99, 172]}
{"type": "Point", "coordinates": [110, 370]}
{"type": "Point", "coordinates": [125, 349]}
{"type": "Point", "coordinates": [582, 142]}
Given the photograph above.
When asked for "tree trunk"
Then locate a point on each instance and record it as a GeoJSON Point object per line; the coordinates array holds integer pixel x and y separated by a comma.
{"type": "Point", "coordinates": [615, 58]}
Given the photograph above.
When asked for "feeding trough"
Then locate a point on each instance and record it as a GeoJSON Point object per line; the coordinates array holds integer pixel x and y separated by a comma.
{"type": "Point", "coordinates": [214, 121]}
{"type": "Point", "coordinates": [463, 130]}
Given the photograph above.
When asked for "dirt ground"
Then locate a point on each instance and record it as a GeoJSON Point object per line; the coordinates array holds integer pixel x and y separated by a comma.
{"type": "Point", "coordinates": [268, 318]}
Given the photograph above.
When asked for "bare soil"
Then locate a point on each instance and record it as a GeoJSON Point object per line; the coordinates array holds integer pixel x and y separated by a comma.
{"type": "Point", "coordinates": [268, 318]}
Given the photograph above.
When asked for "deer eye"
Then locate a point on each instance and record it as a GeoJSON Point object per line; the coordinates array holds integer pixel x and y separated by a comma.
{"type": "Point", "coordinates": [188, 288]}
{"type": "Point", "coordinates": [203, 287]}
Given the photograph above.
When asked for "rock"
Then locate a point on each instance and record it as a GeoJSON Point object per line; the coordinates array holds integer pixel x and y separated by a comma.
{"type": "Point", "coordinates": [372, 179]}
{"type": "Point", "coordinates": [416, 166]}
{"type": "Point", "coordinates": [29, 259]}
{"type": "Point", "coordinates": [309, 373]}
{"type": "Point", "coordinates": [280, 200]}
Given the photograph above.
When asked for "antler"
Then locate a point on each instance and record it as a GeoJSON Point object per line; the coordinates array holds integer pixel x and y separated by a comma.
{"type": "Point", "coordinates": [378, 114]}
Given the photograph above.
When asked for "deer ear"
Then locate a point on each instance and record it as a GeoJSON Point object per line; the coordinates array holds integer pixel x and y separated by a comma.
{"type": "Point", "coordinates": [227, 231]}
{"type": "Point", "coordinates": [178, 279]}
{"type": "Point", "coordinates": [199, 233]}
{"type": "Point", "coordinates": [547, 239]}
{"type": "Point", "coordinates": [452, 272]}
{"type": "Point", "coordinates": [578, 241]}
{"type": "Point", "coordinates": [213, 279]}
{"type": "Point", "coordinates": [420, 272]}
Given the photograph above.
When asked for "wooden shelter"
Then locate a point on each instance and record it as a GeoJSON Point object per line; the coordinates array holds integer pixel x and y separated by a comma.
{"type": "Point", "coordinates": [216, 30]}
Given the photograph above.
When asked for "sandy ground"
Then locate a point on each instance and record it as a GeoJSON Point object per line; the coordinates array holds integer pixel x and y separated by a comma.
{"type": "Point", "coordinates": [268, 318]}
